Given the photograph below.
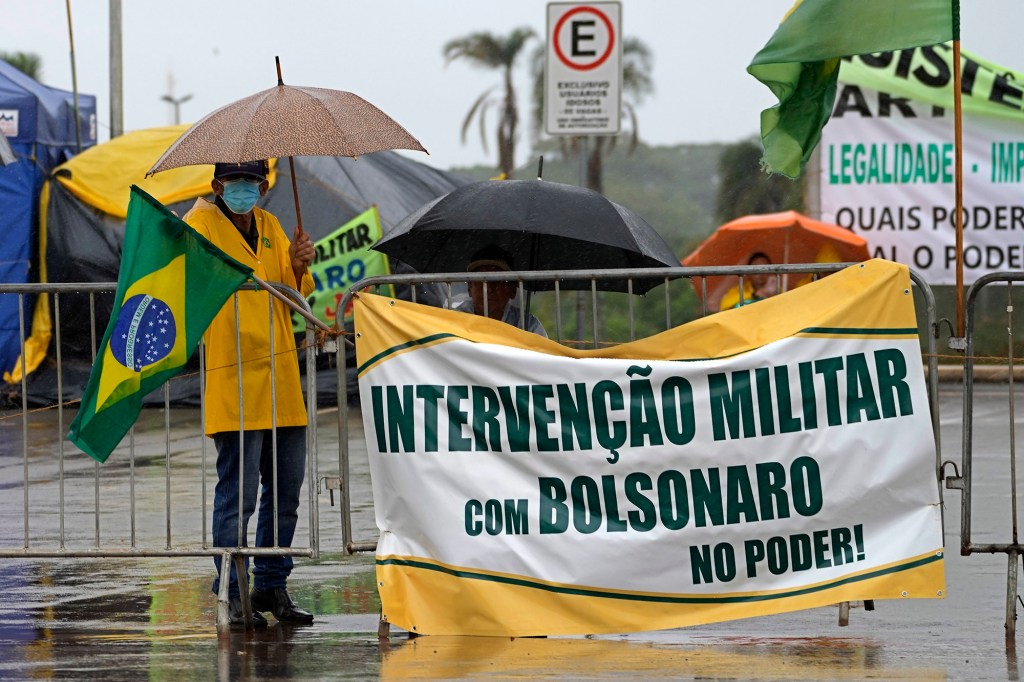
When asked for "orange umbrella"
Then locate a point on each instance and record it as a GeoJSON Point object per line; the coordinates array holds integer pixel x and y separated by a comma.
{"type": "Point", "coordinates": [786, 237]}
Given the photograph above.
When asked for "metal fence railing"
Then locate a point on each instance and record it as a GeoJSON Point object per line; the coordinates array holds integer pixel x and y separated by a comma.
{"type": "Point", "coordinates": [153, 496]}
{"type": "Point", "coordinates": [1002, 468]}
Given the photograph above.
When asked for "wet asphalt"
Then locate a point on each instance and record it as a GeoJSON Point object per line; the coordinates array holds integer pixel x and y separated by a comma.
{"type": "Point", "coordinates": [133, 618]}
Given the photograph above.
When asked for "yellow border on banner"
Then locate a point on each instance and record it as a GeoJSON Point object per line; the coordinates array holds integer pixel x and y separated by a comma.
{"type": "Point", "coordinates": [444, 598]}
{"type": "Point", "coordinates": [871, 299]}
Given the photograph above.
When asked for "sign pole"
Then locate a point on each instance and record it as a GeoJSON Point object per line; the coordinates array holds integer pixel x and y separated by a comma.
{"type": "Point", "coordinates": [583, 82]}
{"type": "Point", "coordinates": [581, 300]}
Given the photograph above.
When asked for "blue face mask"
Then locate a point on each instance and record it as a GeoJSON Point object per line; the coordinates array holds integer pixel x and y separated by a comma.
{"type": "Point", "coordinates": [241, 195]}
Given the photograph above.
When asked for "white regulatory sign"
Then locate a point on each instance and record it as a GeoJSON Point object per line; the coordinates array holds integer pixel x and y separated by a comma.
{"type": "Point", "coordinates": [583, 69]}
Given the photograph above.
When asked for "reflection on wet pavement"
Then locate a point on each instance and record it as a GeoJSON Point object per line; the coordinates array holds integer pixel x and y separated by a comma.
{"type": "Point", "coordinates": [791, 659]}
{"type": "Point", "coordinates": [154, 619]}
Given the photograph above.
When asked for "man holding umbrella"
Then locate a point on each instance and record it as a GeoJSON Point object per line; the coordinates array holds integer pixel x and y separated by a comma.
{"type": "Point", "coordinates": [254, 237]}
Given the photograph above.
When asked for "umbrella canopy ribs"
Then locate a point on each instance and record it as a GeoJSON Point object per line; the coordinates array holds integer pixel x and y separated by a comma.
{"type": "Point", "coordinates": [287, 120]}
{"type": "Point", "coordinates": [541, 225]}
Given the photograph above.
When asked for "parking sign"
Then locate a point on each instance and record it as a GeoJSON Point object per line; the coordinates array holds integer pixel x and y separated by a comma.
{"type": "Point", "coordinates": [583, 69]}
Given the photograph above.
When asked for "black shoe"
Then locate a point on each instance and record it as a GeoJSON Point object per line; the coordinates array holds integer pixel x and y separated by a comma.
{"type": "Point", "coordinates": [237, 616]}
{"type": "Point", "coordinates": [278, 602]}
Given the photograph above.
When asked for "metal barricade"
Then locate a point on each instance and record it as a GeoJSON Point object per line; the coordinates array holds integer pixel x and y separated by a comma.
{"type": "Point", "coordinates": [965, 480]}
{"type": "Point", "coordinates": [152, 497]}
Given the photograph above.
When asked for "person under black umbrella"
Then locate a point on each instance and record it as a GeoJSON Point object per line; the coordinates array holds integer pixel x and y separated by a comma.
{"type": "Point", "coordinates": [499, 303]}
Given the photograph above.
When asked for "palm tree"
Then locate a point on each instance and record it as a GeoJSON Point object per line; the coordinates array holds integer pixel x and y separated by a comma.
{"type": "Point", "coordinates": [493, 52]}
{"type": "Point", "coordinates": [637, 61]}
{"type": "Point", "coordinates": [28, 63]}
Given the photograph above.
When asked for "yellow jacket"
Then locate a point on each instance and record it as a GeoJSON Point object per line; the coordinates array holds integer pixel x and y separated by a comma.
{"type": "Point", "coordinates": [731, 298]}
{"type": "Point", "coordinates": [270, 263]}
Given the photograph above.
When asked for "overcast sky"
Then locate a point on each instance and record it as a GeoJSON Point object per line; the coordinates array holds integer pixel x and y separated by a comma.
{"type": "Point", "coordinates": [389, 52]}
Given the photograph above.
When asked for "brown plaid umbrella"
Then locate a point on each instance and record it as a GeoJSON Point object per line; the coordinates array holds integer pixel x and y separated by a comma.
{"type": "Point", "coordinates": [287, 121]}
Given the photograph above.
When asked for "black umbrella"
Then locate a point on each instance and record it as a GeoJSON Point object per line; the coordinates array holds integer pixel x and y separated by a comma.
{"type": "Point", "coordinates": [542, 225]}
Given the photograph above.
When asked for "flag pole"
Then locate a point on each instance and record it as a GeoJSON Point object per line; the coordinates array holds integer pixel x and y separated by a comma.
{"type": "Point", "coordinates": [958, 146]}
{"type": "Point", "coordinates": [74, 83]}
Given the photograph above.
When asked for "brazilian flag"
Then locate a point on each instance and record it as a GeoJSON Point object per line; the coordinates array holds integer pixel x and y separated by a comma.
{"type": "Point", "coordinates": [800, 63]}
{"type": "Point", "coordinates": [171, 284]}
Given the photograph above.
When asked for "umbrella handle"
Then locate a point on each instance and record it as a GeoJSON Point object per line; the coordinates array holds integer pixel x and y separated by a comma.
{"type": "Point", "coordinates": [295, 195]}
{"type": "Point", "coordinates": [291, 163]}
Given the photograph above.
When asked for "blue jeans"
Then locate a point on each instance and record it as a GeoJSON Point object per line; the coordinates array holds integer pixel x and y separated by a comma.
{"type": "Point", "coordinates": [268, 572]}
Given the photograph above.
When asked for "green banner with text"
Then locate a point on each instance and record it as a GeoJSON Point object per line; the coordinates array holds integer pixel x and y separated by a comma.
{"type": "Point", "coordinates": [343, 258]}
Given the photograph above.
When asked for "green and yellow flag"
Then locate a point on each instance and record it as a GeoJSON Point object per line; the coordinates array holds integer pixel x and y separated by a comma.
{"type": "Point", "coordinates": [800, 63]}
{"type": "Point", "coordinates": [171, 284]}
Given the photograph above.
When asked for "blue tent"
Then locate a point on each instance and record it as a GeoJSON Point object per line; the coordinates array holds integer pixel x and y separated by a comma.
{"type": "Point", "coordinates": [39, 123]}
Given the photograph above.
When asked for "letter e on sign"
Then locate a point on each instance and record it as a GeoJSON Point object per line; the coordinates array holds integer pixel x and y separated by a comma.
{"type": "Point", "coordinates": [583, 68]}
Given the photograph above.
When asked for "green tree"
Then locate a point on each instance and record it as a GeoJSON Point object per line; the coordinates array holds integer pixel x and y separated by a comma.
{"type": "Point", "coordinates": [637, 62]}
{"type": "Point", "coordinates": [745, 189]}
{"type": "Point", "coordinates": [493, 52]}
{"type": "Point", "coordinates": [28, 63]}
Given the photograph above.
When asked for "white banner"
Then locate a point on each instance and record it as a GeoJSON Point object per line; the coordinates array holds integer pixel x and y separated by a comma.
{"type": "Point", "coordinates": [525, 488]}
{"type": "Point", "coordinates": [887, 163]}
